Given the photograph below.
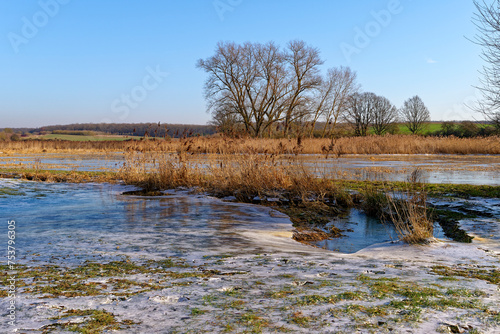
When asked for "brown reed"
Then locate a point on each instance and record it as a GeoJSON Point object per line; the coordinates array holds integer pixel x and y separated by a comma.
{"type": "Point", "coordinates": [390, 144]}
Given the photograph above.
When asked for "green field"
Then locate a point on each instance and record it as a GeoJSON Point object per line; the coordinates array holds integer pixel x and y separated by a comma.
{"type": "Point", "coordinates": [429, 128]}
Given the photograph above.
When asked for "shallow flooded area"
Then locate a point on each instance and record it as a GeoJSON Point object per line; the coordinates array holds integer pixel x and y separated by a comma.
{"type": "Point", "coordinates": [451, 169]}
{"type": "Point", "coordinates": [85, 221]}
{"type": "Point", "coordinates": [360, 231]}
{"type": "Point", "coordinates": [88, 162]}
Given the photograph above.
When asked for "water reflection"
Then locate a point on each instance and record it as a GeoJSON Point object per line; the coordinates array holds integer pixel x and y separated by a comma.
{"type": "Point", "coordinates": [361, 231]}
{"type": "Point", "coordinates": [84, 221]}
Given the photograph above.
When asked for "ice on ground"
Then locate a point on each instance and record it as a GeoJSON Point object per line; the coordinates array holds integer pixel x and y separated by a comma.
{"type": "Point", "coordinates": [240, 268]}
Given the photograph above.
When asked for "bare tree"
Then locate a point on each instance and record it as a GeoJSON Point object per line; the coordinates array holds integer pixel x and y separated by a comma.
{"type": "Point", "coordinates": [331, 97]}
{"type": "Point", "coordinates": [415, 114]}
{"type": "Point", "coordinates": [246, 83]}
{"type": "Point", "coordinates": [384, 115]}
{"type": "Point", "coordinates": [225, 121]}
{"type": "Point", "coordinates": [260, 84]}
{"type": "Point", "coordinates": [225, 88]}
{"type": "Point", "coordinates": [487, 21]}
{"type": "Point", "coordinates": [303, 62]}
{"type": "Point", "coordinates": [360, 112]}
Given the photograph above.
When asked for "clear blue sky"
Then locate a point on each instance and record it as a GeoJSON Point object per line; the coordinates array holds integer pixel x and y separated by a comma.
{"type": "Point", "coordinates": [73, 61]}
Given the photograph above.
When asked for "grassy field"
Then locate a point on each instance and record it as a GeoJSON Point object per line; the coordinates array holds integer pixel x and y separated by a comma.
{"type": "Point", "coordinates": [430, 128]}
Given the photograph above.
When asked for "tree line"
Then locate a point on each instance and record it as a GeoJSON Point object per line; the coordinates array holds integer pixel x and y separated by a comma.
{"type": "Point", "coordinates": [264, 90]}
{"type": "Point", "coordinates": [132, 129]}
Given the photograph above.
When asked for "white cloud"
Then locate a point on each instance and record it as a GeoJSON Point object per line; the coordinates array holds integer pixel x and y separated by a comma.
{"type": "Point", "coordinates": [431, 61]}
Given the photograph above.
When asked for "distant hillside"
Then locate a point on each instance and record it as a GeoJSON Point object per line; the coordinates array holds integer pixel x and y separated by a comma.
{"type": "Point", "coordinates": [135, 129]}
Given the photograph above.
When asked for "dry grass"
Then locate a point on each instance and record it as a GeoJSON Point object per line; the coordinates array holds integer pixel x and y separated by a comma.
{"type": "Point", "coordinates": [407, 210]}
{"type": "Point", "coordinates": [405, 207]}
{"type": "Point", "coordinates": [390, 144]}
{"type": "Point", "coordinates": [247, 177]}
{"type": "Point", "coordinates": [410, 217]}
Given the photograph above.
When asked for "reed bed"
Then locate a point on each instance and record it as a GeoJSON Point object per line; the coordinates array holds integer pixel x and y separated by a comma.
{"type": "Point", "coordinates": [248, 178]}
{"type": "Point", "coordinates": [390, 144]}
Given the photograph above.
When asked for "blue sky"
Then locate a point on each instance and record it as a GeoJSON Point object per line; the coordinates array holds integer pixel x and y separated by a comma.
{"type": "Point", "coordinates": [75, 61]}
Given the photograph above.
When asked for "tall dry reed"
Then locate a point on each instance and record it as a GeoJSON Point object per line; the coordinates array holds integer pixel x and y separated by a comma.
{"type": "Point", "coordinates": [408, 212]}
{"type": "Point", "coordinates": [247, 177]}
{"type": "Point", "coordinates": [390, 144]}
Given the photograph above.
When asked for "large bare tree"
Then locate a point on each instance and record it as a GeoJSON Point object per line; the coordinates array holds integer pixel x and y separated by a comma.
{"type": "Point", "coordinates": [384, 115]}
{"type": "Point", "coordinates": [260, 84]}
{"type": "Point", "coordinates": [246, 83]}
{"type": "Point", "coordinates": [487, 21]}
{"type": "Point", "coordinates": [360, 112]}
{"type": "Point", "coordinates": [303, 66]}
{"type": "Point", "coordinates": [415, 114]}
{"type": "Point", "coordinates": [331, 98]}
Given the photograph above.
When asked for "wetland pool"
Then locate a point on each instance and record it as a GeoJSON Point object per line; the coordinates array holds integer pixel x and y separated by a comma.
{"type": "Point", "coordinates": [79, 222]}
{"type": "Point", "coordinates": [451, 169]}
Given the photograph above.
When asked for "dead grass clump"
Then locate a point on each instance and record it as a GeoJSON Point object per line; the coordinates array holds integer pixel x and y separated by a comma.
{"type": "Point", "coordinates": [247, 177]}
{"type": "Point", "coordinates": [410, 217]}
{"type": "Point", "coordinates": [310, 235]}
{"type": "Point", "coordinates": [405, 208]}
{"type": "Point", "coordinates": [156, 171]}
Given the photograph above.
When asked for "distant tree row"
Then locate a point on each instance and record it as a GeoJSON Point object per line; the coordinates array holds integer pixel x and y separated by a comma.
{"type": "Point", "coordinates": [132, 129]}
{"type": "Point", "coordinates": [262, 89]}
{"type": "Point", "coordinates": [8, 134]}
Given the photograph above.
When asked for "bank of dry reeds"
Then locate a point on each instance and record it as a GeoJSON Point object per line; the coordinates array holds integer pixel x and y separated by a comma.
{"type": "Point", "coordinates": [390, 144]}
{"type": "Point", "coordinates": [247, 177]}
